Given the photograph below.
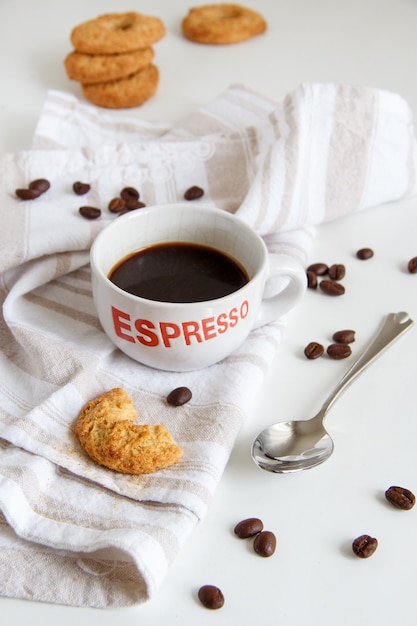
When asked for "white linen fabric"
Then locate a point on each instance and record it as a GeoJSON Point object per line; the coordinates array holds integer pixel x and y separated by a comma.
{"type": "Point", "coordinates": [72, 532]}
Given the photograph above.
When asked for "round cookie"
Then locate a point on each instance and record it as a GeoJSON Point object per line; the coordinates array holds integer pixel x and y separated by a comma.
{"type": "Point", "coordinates": [128, 92]}
{"type": "Point", "coordinates": [99, 68]}
{"type": "Point", "coordinates": [222, 24]}
{"type": "Point", "coordinates": [114, 33]}
{"type": "Point", "coordinates": [108, 435]}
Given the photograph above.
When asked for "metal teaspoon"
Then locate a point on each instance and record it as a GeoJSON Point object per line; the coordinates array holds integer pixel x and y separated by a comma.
{"type": "Point", "coordinates": [301, 444]}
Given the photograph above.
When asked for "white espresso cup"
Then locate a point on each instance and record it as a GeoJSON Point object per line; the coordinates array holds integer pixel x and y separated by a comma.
{"type": "Point", "coordinates": [182, 336]}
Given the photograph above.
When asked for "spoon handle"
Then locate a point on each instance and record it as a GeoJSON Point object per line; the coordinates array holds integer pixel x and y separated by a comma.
{"type": "Point", "coordinates": [395, 324]}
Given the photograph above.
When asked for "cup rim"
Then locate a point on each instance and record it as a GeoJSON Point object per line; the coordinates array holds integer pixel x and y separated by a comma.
{"type": "Point", "coordinates": [137, 215]}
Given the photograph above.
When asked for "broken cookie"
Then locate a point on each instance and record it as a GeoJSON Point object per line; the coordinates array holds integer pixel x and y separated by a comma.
{"type": "Point", "coordinates": [108, 435]}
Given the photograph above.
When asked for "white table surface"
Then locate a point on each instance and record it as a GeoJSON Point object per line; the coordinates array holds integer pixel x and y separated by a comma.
{"type": "Point", "coordinates": [313, 578]}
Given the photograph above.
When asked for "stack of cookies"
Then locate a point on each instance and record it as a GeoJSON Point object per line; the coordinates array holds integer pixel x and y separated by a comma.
{"type": "Point", "coordinates": [112, 59]}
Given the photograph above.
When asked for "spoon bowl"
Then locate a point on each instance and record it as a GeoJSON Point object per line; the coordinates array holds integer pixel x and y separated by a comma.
{"type": "Point", "coordinates": [293, 446]}
{"type": "Point", "coordinates": [290, 446]}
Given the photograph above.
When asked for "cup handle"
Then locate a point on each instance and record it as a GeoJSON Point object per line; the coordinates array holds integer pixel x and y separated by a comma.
{"type": "Point", "coordinates": [275, 306]}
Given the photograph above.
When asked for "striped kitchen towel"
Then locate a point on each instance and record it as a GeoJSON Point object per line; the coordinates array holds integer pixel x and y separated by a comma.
{"type": "Point", "coordinates": [72, 532]}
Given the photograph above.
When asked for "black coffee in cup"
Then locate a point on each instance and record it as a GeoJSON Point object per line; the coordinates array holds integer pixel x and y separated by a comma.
{"type": "Point", "coordinates": [179, 272]}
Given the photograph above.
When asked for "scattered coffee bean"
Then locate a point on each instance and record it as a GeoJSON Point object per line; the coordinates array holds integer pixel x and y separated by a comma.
{"type": "Point", "coordinates": [337, 271]}
{"type": "Point", "coordinates": [129, 193]}
{"type": "Point", "coordinates": [193, 193]}
{"type": "Point", "coordinates": [81, 188]}
{"type": "Point", "coordinates": [365, 253]}
{"type": "Point", "coordinates": [248, 527]}
{"type": "Point", "coordinates": [400, 497]}
{"type": "Point", "coordinates": [312, 281]}
{"type": "Point", "coordinates": [313, 350]}
{"type": "Point", "coordinates": [132, 205]}
{"type": "Point", "coordinates": [339, 351]}
{"type": "Point", "coordinates": [35, 189]}
{"type": "Point", "coordinates": [344, 336]}
{"type": "Point", "coordinates": [40, 184]}
{"type": "Point", "coordinates": [28, 194]}
{"type": "Point", "coordinates": [319, 269]}
{"type": "Point", "coordinates": [89, 212]}
{"type": "Point", "coordinates": [179, 396]}
{"type": "Point", "coordinates": [117, 205]}
{"type": "Point", "coordinates": [211, 597]}
{"type": "Point", "coordinates": [364, 546]}
{"type": "Point", "coordinates": [332, 288]}
{"type": "Point", "coordinates": [265, 543]}
{"type": "Point", "coordinates": [412, 265]}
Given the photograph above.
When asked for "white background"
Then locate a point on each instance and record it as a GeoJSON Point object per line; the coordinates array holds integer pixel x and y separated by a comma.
{"type": "Point", "coordinates": [313, 578]}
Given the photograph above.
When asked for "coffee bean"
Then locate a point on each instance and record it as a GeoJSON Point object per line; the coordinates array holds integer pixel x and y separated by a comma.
{"type": "Point", "coordinates": [117, 205]}
{"type": "Point", "coordinates": [400, 497]}
{"type": "Point", "coordinates": [28, 194]}
{"type": "Point", "coordinates": [313, 350]}
{"type": "Point", "coordinates": [337, 271]}
{"type": "Point", "coordinates": [332, 288]}
{"type": "Point", "coordinates": [412, 265]}
{"type": "Point", "coordinates": [339, 351]}
{"type": "Point", "coordinates": [248, 527]}
{"type": "Point", "coordinates": [132, 205]}
{"type": "Point", "coordinates": [40, 184]}
{"type": "Point", "coordinates": [80, 188]}
{"type": "Point", "coordinates": [319, 269]}
{"type": "Point", "coordinates": [179, 396]}
{"type": "Point", "coordinates": [312, 281]}
{"type": "Point", "coordinates": [89, 212]}
{"type": "Point", "coordinates": [364, 546]}
{"type": "Point", "coordinates": [265, 543]}
{"type": "Point", "coordinates": [193, 193]}
{"type": "Point", "coordinates": [211, 597]}
{"type": "Point", "coordinates": [365, 253]}
{"type": "Point", "coordinates": [344, 336]}
{"type": "Point", "coordinates": [129, 193]}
